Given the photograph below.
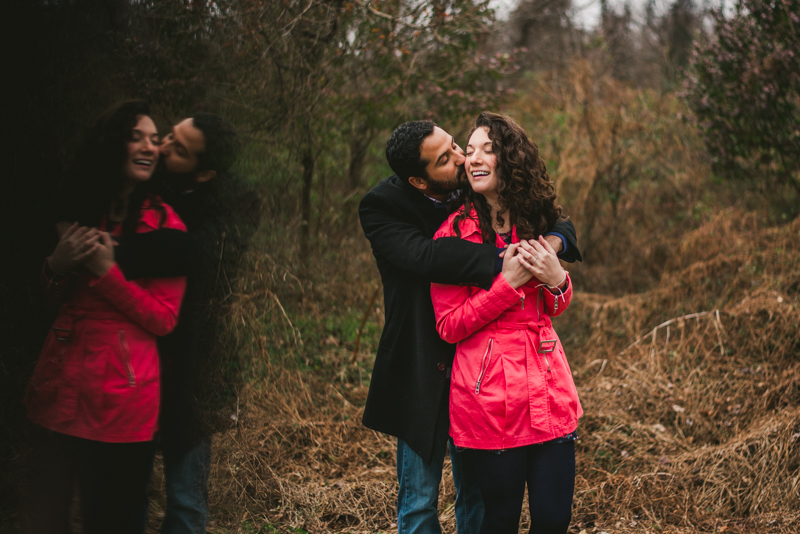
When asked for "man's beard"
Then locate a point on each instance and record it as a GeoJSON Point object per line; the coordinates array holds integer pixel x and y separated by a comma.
{"type": "Point", "coordinates": [442, 187]}
{"type": "Point", "coordinates": [177, 182]}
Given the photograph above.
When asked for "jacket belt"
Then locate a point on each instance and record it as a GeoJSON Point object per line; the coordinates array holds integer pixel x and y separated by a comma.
{"type": "Point", "coordinates": [545, 345]}
{"type": "Point", "coordinates": [536, 327]}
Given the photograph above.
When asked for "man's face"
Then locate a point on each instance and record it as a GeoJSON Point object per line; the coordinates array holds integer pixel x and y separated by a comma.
{"type": "Point", "coordinates": [180, 148]}
{"type": "Point", "coordinates": [445, 160]}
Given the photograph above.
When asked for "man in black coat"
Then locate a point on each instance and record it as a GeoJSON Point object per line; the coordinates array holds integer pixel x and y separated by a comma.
{"type": "Point", "coordinates": [409, 391]}
{"type": "Point", "coordinates": [221, 212]}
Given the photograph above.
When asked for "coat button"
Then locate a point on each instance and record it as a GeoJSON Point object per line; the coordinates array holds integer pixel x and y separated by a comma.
{"type": "Point", "coordinates": [440, 366]}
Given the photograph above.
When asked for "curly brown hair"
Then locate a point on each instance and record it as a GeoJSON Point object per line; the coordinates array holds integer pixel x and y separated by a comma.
{"type": "Point", "coordinates": [524, 189]}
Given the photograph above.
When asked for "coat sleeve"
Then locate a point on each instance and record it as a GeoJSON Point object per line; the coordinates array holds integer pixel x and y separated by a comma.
{"type": "Point", "coordinates": [565, 228]}
{"type": "Point", "coordinates": [153, 305]}
{"type": "Point", "coordinates": [460, 311]}
{"type": "Point", "coordinates": [57, 287]}
{"type": "Point", "coordinates": [158, 254]}
{"type": "Point", "coordinates": [402, 244]}
{"type": "Point", "coordinates": [556, 303]}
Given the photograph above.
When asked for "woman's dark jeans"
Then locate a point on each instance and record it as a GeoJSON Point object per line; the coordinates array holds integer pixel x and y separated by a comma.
{"type": "Point", "coordinates": [549, 471]}
{"type": "Point", "coordinates": [111, 478]}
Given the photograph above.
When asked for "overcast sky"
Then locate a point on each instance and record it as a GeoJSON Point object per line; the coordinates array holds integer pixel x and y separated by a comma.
{"type": "Point", "coordinates": [586, 13]}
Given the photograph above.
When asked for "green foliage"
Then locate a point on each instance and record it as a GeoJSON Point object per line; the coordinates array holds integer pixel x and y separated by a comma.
{"type": "Point", "coordinates": [744, 89]}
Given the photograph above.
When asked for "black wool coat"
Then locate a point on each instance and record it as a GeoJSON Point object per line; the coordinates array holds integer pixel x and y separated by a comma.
{"type": "Point", "coordinates": [409, 390]}
{"type": "Point", "coordinates": [196, 380]}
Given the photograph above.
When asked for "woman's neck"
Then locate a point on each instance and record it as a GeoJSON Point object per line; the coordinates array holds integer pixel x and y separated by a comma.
{"type": "Point", "coordinates": [119, 206]}
{"type": "Point", "coordinates": [494, 210]}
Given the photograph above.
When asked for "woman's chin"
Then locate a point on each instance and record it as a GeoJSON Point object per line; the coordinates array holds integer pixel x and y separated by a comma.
{"type": "Point", "coordinates": [139, 177]}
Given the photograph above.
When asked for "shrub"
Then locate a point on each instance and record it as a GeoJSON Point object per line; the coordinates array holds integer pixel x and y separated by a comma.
{"type": "Point", "coordinates": [744, 88]}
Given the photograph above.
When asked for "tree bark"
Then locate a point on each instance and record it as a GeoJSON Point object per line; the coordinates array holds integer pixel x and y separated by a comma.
{"type": "Point", "coordinates": [305, 206]}
{"type": "Point", "coordinates": [359, 144]}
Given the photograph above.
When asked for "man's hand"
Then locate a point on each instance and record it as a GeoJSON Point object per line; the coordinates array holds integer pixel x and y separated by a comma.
{"type": "Point", "coordinates": [542, 261]}
{"type": "Point", "coordinates": [555, 242]}
{"type": "Point", "coordinates": [516, 270]}
{"type": "Point", "coordinates": [74, 246]}
{"type": "Point", "coordinates": [102, 259]}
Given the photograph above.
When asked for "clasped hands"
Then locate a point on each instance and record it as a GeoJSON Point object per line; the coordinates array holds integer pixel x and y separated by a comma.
{"type": "Point", "coordinates": [532, 258]}
{"type": "Point", "coordinates": [82, 246]}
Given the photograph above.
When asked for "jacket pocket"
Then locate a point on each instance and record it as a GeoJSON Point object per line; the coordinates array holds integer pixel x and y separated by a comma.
{"type": "Point", "coordinates": [125, 354]}
{"type": "Point", "coordinates": [487, 357]}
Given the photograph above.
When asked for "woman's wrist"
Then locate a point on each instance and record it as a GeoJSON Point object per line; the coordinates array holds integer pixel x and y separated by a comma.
{"type": "Point", "coordinates": [56, 268]}
{"type": "Point", "coordinates": [561, 284]}
{"type": "Point", "coordinates": [100, 269]}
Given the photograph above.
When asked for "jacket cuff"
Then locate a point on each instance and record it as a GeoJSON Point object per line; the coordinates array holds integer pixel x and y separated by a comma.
{"type": "Point", "coordinates": [564, 244]}
{"type": "Point", "coordinates": [557, 300]}
{"type": "Point", "coordinates": [110, 282]}
{"type": "Point", "coordinates": [500, 297]}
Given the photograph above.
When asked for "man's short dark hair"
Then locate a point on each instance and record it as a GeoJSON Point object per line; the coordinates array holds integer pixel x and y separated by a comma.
{"type": "Point", "coordinates": [221, 143]}
{"type": "Point", "coordinates": [403, 149]}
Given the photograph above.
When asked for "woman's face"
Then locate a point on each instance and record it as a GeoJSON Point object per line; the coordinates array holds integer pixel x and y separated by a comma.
{"type": "Point", "coordinates": [142, 151]}
{"type": "Point", "coordinates": [481, 162]}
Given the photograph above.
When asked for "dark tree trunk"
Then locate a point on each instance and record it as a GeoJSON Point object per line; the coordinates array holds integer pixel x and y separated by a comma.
{"type": "Point", "coordinates": [359, 144]}
{"type": "Point", "coordinates": [308, 175]}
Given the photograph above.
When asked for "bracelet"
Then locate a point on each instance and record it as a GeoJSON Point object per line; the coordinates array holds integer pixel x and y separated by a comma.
{"type": "Point", "coordinates": [48, 271]}
{"type": "Point", "coordinates": [558, 284]}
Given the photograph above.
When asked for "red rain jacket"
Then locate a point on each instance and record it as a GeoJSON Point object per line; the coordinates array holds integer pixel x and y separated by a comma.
{"type": "Point", "coordinates": [511, 384]}
{"type": "Point", "coordinates": [97, 376]}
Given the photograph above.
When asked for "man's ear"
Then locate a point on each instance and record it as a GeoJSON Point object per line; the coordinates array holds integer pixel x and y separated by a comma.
{"type": "Point", "coordinates": [419, 183]}
{"type": "Point", "coordinates": [204, 176]}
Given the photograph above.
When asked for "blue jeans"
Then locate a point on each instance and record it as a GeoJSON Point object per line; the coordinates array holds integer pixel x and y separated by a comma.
{"type": "Point", "coordinates": [418, 495]}
{"type": "Point", "coordinates": [186, 474]}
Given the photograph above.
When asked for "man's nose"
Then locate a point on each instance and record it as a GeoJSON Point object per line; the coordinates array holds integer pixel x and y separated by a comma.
{"type": "Point", "coordinates": [460, 158]}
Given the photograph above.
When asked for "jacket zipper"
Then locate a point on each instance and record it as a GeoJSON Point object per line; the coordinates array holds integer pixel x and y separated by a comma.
{"type": "Point", "coordinates": [523, 302]}
{"type": "Point", "coordinates": [539, 316]}
{"type": "Point", "coordinates": [484, 365]}
{"type": "Point", "coordinates": [126, 353]}
{"type": "Point", "coordinates": [538, 313]}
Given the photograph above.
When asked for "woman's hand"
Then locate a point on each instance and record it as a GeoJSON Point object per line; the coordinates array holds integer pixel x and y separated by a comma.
{"type": "Point", "coordinates": [542, 261]}
{"type": "Point", "coordinates": [515, 270]}
{"type": "Point", "coordinates": [102, 259]}
{"type": "Point", "coordinates": [74, 246]}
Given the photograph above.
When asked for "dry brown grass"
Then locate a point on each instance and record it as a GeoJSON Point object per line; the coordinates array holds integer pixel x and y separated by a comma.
{"type": "Point", "coordinates": [694, 425]}
{"type": "Point", "coordinates": [691, 392]}
{"type": "Point", "coordinates": [683, 338]}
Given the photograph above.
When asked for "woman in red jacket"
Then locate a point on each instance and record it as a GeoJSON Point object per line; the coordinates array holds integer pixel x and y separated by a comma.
{"type": "Point", "coordinates": [94, 394]}
{"type": "Point", "coordinates": [514, 408]}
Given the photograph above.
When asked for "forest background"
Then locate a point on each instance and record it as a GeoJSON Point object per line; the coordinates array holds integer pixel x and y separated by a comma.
{"type": "Point", "coordinates": [669, 130]}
